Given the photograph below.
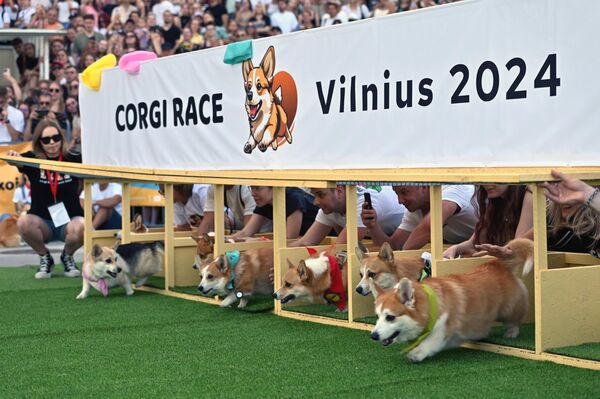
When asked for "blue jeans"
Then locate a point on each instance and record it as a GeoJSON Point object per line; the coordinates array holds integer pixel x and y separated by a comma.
{"type": "Point", "coordinates": [56, 233]}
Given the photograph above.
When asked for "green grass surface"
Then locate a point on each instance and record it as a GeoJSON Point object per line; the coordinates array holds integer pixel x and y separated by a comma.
{"type": "Point", "coordinates": [525, 340]}
{"type": "Point", "coordinates": [583, 351]}
{"type": "Point", "coordinates": [149, 345]}
{"type": "Point", "coordinates": [324, 310]}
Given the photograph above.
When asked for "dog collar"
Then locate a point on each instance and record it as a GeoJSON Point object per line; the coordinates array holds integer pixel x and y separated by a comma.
{"type": "Point", "coordinates": [433, 314]}
{"type": "Point", "coordinates": [101, 283]}
{"type": "Point", "coordinates": [234, 258]}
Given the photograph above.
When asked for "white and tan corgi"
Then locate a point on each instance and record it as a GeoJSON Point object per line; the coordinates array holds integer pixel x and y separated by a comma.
{"type": "Point", "coordinates": [205, 245]}
{"type": "Point", "coordinates": [106, 268]}
{"type": "Point", "coordinates": [384, 271]}
{"type": "Point", "coordinates": [238, 275]}
{"type": "Point", "coordinates": [312, 281]}
{"type": "Point", "coordinates": [266, 114]}
{"type": "Point", "coordinates": [443, 312]}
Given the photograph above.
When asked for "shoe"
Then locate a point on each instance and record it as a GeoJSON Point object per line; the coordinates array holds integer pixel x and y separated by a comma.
{"type": "Point", "coordinates": [70, 266]}
{"type": "Point", "coordinates": [46, 266]}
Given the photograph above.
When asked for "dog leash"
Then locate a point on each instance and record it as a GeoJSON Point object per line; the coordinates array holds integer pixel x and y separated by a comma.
{"type": "Point", "coordinates": [433, 315]}
{"type": "Point", "coordinates": [101, 283]}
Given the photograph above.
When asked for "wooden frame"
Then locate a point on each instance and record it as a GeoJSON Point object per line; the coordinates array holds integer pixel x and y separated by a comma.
{"type": "Point", "coordinates": [554, 274]}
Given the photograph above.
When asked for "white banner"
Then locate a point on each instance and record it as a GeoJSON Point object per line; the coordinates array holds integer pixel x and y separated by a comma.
{"type": "Point", "coordinates": [474, 83]}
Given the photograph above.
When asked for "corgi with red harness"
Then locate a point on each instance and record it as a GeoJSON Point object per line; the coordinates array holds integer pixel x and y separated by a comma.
{"type": "Point", "coordinates": [443, 312]}
{"type": "Point", "coordinates": [270, 103]}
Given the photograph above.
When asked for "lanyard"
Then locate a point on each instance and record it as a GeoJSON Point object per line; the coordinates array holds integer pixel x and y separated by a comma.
{"type": "Point", "coordinates": [54, 183]}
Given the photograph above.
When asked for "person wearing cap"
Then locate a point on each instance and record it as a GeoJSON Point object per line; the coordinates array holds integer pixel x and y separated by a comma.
{"type": "Point", "coordinates": [334, 14]}
{"type": "Point", "coordinates": [12, 122]}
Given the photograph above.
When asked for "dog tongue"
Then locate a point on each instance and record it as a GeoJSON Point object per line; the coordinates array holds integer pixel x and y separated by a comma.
{"type": "Point", "coordinates": [253, 110]}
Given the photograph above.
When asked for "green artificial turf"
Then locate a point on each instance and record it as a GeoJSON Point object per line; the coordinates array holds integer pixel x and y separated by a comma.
{"type": "Point", "coordinates": [367, 320]}
{"type": "Point", "coordinates": [149, 345]}
{"type": "Point", "coordinates": [324, 310]}
{"type": "Point", "coordinates": [583, 351]}
{"type": "Point", "coordinates": [525, 340]}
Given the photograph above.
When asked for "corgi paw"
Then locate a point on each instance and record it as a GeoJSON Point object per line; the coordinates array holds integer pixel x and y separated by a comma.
{"type": "Point", "coordinates": [511, 332]}
{"type": "Point", "coordinates": [416, 355]}
{"type": "Point", "coordinates": [243, 303]}
{"type": "Point", "coordinates": [224, 304]}
{"type": "Point", "coordinates": [248, 148]}
{"type": "Point", "coordinates": [263, 147]}
{"type": "Point", "coordinates": [81, 296]}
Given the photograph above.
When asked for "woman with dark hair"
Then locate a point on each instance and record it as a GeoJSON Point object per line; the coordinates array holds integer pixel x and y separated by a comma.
{"type": "Point", "coordinates": [504, 213]}
{"type": "Point", "coordinates": [55, 212]}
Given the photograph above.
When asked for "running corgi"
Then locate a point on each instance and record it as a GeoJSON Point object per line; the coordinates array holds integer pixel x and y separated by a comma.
{"type": "Point", "coordinates": [237, 275]}
{"type": "Point", "coordinates": [384, 271]}
{"type": "Point", "coordinates": [443, 312]}
{"type": "Point", "coordinates": [319, 279]}
{"type": "Point", "coordinates": [264, 105]}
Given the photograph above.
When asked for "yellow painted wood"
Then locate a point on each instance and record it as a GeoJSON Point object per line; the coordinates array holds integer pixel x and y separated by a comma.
{"type": "Point", "coordinates": [219, 219]}
{"type": "Point", "coordinates": [126, 214]}
{"type": "Point", "coordinates": [185, 274]}
{"type": "Point", "coordinates": [540, 259]}
{"type": "Point", "coordinates": [571, 306]}
{"type": "Point", "coordinates": [146, 237]}
{"type": "Point", "coordinates": [279, 239]}
{"type": "Point", "coordinates": [169, 238]}
{"type": "Point", "coordinates": [87, 217]}
{"type": "Point", "coordinates": [104, 233]}
{"type": "Point", "coordinates": [571, 361]}
{"type": "Point", "coordinates": [358, 305]}
{"type": "Point", "coordinates": [437, 234]}
{"type": "Point", "coordinates": [242, 246]}
{"type": "Point", "coordinates": [314, 318]}
{"type": "Point", "coordinates": [580, 259]}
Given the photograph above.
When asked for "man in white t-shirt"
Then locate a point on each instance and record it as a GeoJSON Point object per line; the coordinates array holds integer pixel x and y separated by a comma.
{"type": "Point", "coordinates": [458, 217]}
{"type": "Point", "coordinates": [239, 208]}
{"type": "Point", "coordinates": [106, 205]}
{"type": "Point", "coordinates": [283, 18]}
{"type": "Point", "coordinates": [159, 9]}
{"type": "Point", "coordinates": [22, 196]}
{"type": "Point", "coordinates": [12, 122]}
{"type": "Point", "coordinates": [189, 205]}
{"type": "Point", "coordinates": [332, 213]}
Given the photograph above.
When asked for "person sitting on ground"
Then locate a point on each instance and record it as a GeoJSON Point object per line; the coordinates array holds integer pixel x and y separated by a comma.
{"type": "Point", "coordinates": [106, 206]}
{"type": "Point", "coordinates": [55, 212]}
{"type": "Point", "coordinates": [332, 213]}
{"type": "Point", "coordinates": [239, 208]}
{"type": "Point", "coordinates": [299, 211]}
{"type": "Point", "coordinates": [504, 213]}
{"type": "Point", "coordinates": [458, 217]}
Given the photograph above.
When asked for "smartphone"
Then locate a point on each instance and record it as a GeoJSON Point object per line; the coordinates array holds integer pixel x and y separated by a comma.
{"type": "Point", "coordinates": [42, 112]}
{"type": "Point", "coordinates": [368, 201]}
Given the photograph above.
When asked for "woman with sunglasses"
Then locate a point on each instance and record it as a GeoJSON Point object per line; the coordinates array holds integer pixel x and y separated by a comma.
{"type": "Point", "coordinates": [55, 212]}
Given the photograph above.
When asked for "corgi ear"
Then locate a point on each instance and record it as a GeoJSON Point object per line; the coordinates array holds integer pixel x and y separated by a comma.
{"type": "Point", "coordinates": [96, 251]}
{"type": "Point", "coordinates": [246, 68]}
{"type": "Point", "coordinates": [268, 63]}
{"type": "Point", "coordinates": [406, 292]}
{"type": "Point", "coordinates": [290, 264]}
{"type": "Point", "coordinates": [208, 239]}
{"type": "Point", "coordinates": [385, 253]}
{"type": "Point", "coordinates": [222, 263]}
{"type": "Point", "coordinates": [195, 237]}
{"type": "Point", "coordinates": [137, 221]}
{"type": "Point", "coordinates": [302, 271]}
{"type": "Point", "coordinates": [360, 252]}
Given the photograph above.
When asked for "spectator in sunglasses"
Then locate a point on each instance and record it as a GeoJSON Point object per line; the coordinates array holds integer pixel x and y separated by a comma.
{"type": "Point", "coordinates": [49, 190]}
{"type": "Point", "coordinates": [41, 111]}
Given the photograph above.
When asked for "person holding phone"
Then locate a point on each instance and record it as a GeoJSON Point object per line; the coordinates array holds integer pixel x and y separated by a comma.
{"type": "Point", "coordinates": [55, 212]}
{"type": "Point", "coordinates": [12, 121]}
{"type": "Point", "coordinates": [40, 112]}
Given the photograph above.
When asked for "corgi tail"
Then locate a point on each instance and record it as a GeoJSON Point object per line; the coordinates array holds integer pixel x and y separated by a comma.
{"type": "Point", "coordinates": [522, 256]}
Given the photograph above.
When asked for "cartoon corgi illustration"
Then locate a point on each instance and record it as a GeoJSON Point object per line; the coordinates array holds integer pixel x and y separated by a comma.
{"type": "Point", "coordinates": [271, 102]}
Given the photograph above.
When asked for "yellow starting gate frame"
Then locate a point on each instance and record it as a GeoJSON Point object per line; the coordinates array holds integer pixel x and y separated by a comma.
{"type": "Point", "coordinates": [557, 290]}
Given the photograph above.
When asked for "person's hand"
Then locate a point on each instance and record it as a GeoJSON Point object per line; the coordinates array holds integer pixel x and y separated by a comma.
{"type": "Point", "coordinates": [568, 191]}
{"type": "Point", "coordinates": [51, 116]}
{"type": "Point", "coordinates": [6, 75]}
{"type": "Point", "coordinates": [4, 114]}
{"type": "Point", "coordinates": [493, 250]}
{"type": "Point", "coordinates": [34, 115]}
{"type": "Point", "coordinates": [452, 252]}
{"type": "Point", "coordinates": [13, 153]}
{"type": "Point", "coordinates": [368, 216]}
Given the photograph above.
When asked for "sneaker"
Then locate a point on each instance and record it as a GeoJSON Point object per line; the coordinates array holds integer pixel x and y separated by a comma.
{"type": "Point", "coordinates": [46, 266]}
{"type": "Point", "coordinates": [69, 264]}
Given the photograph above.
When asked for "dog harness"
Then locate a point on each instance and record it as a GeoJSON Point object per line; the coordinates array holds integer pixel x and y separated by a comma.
{"type": "Point", "coordinates": [335, 294]}
{"type": "Point", "coordinates": [433, 315]}
{"type": "Point", "coordinates": [234, 259]}
{"type": "Point", "coordinates": [101, 283]}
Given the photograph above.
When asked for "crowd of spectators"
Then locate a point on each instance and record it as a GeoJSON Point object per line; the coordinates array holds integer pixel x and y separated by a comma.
{"type": "Point", "coordinates": [93, 28]}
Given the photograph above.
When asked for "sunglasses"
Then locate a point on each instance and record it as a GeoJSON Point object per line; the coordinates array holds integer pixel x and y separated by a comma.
{"type": "Point", "coordinates": [57, 138]}
{"type": "Point", "coordinates": [54, 90]}
{"type": "Point", "coordinates": [43, 103]}
{"type": "Point", "coordinates": [74, 86]}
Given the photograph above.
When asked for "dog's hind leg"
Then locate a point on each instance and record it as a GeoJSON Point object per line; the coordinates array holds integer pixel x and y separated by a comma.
{"type": "Point", "coordinates": [141, 282]}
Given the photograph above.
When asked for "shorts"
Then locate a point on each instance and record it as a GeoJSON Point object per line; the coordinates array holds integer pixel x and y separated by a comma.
{"type": "Point", "coordinates": [56, 233]}
{"type": "Point", "coordinates": [113, 223]}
